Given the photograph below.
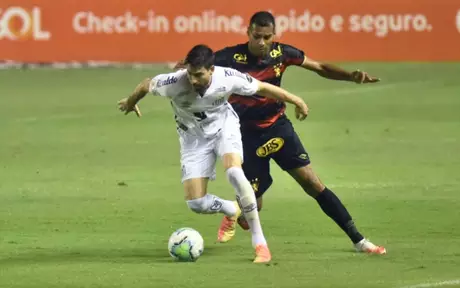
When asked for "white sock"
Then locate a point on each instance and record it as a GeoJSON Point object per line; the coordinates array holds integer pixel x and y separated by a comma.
{"type": "Point", "coordinates": [247, 200]}
{"type": "Point", "coordinates": [211, 204]}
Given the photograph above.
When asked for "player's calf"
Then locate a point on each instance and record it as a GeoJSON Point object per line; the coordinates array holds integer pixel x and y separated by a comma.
{"type": "Point", "coordinates": [242, 221]}
{"type": "Point", "coordinates": [327, 200]}
{"type": "Point", "coordinates": [308, 180]}
{"type": "Point", "coordinates": [333, 207]}
{"type": "Point", "coordinates": [247, 200]}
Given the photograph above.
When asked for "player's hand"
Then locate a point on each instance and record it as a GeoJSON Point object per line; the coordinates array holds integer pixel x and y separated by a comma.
{"type": "Point", "coordinates": [360, 77]}
{"type": "Point", "coordinates": [126, 107]}
{"type": "Point", "coordinates": [179, 65]}
{"type": "Point", "coordinates": [301, 111]}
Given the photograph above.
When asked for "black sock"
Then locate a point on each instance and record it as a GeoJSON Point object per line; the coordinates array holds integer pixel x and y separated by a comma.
{"type": "Point", "coordinates": [333, 208]}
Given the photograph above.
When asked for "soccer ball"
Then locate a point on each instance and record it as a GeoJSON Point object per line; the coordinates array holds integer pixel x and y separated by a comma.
{"type": "Point", "coordinates": [186, 244]}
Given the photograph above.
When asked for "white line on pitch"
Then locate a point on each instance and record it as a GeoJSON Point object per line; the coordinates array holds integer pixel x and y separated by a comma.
{"type": "Point", "coordinates": [436, 284]}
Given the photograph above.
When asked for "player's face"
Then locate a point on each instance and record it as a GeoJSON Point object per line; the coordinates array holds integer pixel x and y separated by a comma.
{"type": "Point", "coordinates": [260, 39]}
{"type": "Point", "coordinates": [199, 77]}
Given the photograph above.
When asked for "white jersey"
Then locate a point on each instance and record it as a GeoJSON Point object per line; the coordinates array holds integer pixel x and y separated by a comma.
{"type": "Point", "coordinates": [203, 115]}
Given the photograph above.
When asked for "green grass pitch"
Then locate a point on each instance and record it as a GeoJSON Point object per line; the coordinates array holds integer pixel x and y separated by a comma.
{"type": "Point", "coordinates": [89, 197]}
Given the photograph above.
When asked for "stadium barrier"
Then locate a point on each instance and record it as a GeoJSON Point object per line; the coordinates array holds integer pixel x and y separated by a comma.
{"type": "Point", "coordinates": [122, 31]}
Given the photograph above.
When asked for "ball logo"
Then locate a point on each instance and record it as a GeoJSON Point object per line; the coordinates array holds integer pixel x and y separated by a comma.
{"type": "Point", "coordinates": [17, 23]}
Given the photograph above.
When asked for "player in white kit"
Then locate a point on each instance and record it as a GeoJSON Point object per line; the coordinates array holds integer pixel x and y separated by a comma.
{"type": "Point", "coordinates": [208, 128]}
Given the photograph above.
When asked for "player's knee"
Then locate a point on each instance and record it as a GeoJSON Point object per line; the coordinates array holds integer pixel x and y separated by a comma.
{"type": "Point", "coordinates": [232, 160]}
{"type": "Point", "coordinates": [311, 188]}
{"type": "Point", "coordinates": [198, 205]}
{"type": "Point", "coordinates": [260, 186]}
{"type": "Point", "coordinates": [316, 186]}
{"type": "Point", "coordinates": [309, 181]}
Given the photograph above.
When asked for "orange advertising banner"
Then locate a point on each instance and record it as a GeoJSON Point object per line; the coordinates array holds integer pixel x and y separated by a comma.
{"type": "Point", "coordinates": [161, 31]}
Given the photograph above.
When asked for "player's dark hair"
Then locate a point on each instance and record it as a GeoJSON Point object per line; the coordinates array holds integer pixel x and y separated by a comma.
{"type": "Point", "coordinates": [200, 56]}
{"type": "Point", "coordinates": [263, 19]}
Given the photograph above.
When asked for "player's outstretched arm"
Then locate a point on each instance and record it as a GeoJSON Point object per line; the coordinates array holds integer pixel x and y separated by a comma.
{"type": "Point", "coordinates": [271, 91]}
{"type": "Point", "coordinates": [333, 72]}
{"type": "Point", "coordinates": [130, 104]}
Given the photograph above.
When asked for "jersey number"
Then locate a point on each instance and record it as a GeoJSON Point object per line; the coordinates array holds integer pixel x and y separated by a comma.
{"type": "Point", "coordinates": [200, 116]}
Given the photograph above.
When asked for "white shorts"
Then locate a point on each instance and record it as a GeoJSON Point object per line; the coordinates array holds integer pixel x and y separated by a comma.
{"type": "Point", "coordinates": [199, 154]}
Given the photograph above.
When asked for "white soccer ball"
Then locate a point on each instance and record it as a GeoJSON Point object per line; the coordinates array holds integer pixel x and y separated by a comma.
{"type": "Point", "coordinates": [186, 244]}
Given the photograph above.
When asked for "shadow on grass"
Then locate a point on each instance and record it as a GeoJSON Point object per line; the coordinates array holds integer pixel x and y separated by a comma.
{"type": "Point", "coordinates": [120, 256]}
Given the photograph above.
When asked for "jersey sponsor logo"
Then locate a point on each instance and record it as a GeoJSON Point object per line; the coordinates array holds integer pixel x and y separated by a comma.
{"type": "Point", "coordinates": [275, 53]}
{"type": "Point", "coordinates": [229, 73]}
{"type": "Point", "coordinates": [272, 146]}
{"type": "Point", "coordinates": [168, 81]}
{"type": "Point", "coordinates": [237, 73]}
{"type": "Point", "coordinates": [233, 72]}
{"type": "Point", "coordinates": [277, 69]}
{"type": "Point", "coordinates": [255, 184]}
{"type": "Point", "coordinates": [303, 156]}
{"type": "Point", "coordinates": [241, 58]}
{"type": "Point", "coordinates": [219, 101]}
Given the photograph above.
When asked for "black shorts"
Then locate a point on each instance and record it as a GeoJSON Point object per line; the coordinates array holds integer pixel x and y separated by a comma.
{"type": "Point", "coordinates": [278, 142]}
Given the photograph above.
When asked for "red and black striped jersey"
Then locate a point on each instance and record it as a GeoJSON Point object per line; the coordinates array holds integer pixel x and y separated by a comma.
{"type": "Point", "coordinates": [257, 111]}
